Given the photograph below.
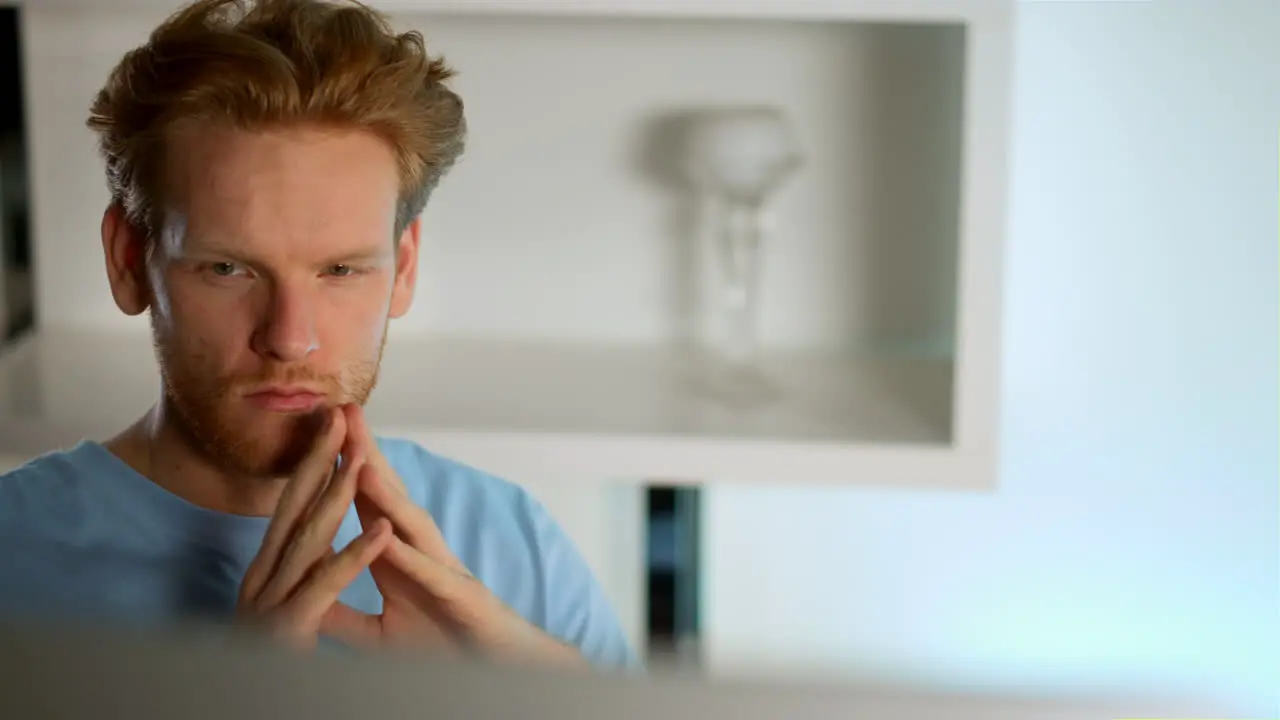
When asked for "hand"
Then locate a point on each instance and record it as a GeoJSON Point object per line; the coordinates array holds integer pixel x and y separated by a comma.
{"type": "Point", "coordinates": [430, 599]}
{"type": "Point", "coordinates": [296, 577]}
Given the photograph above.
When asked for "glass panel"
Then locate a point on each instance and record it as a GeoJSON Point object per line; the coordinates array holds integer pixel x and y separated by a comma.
{"type": "Point", "coordinates": [17, 293]}
{"type": "Point", "coordinates": [672, 517]}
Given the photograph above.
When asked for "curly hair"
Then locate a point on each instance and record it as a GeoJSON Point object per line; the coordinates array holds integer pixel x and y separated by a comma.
{"type": "Point", "coordinates": [269, 64]}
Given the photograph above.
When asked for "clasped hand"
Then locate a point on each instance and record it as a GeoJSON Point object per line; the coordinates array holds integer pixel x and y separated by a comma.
{"type": "Point", "coordinates": [430, 599]}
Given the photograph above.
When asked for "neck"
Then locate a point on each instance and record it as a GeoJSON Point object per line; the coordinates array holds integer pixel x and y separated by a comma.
{"type": "Point", "coordinates": [157, 449]}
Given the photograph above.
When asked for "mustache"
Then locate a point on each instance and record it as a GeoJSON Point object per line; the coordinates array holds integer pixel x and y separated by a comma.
{"type": "Point", "coordinates": [283, 375]}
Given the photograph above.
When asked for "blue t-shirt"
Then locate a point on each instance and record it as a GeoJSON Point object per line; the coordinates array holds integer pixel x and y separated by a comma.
{"type": "Point", "coordinates": [84, 535]}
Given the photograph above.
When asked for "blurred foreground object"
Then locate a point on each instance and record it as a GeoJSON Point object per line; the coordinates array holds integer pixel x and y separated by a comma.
{"type": "Point", "coordinates": [79, 672]}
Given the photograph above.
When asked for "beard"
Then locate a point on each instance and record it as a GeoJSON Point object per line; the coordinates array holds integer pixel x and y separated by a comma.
{"type": "Point", "coordinates": [210, 410]}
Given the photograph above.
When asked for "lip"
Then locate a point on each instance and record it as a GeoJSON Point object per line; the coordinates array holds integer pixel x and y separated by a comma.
{"type": "Point", "coordinates": [286, 399]}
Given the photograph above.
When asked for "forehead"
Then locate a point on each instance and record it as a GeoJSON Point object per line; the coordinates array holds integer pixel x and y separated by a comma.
{"type": "Point", "coordinates": [287, 191]}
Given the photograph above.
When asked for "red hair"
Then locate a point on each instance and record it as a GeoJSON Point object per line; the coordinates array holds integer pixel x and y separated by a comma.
{"type": "Point", "coordinates": [274, 63]}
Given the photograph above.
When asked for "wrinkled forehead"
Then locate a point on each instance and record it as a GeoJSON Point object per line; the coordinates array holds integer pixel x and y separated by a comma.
{"type": "Point", "coordinates": [279, 193]}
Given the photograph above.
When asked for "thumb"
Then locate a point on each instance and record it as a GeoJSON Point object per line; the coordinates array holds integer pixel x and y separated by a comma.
{"type": "Point", "coordinates": [351, 627]}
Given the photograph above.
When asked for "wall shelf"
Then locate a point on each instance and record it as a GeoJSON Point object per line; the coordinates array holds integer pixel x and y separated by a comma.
{"type": "Point", "coordinates": [559, 283]}
{"type": "Point", "coordinates": [545, 412]}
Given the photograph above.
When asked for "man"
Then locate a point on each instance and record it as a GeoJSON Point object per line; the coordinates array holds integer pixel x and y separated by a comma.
{"type": "Point", "coordinates": [267, 165]}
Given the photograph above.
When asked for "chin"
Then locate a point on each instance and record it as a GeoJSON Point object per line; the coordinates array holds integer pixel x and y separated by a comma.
{"type": "Point", "coordinates": [262, 443]}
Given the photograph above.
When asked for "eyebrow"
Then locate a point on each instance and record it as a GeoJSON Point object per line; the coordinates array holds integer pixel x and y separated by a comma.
{"type": "Point", "coordinates": [354, 257]}
{"type": "Point", "coordinates": [358, 257]}
{"type": "Point", "coordinates": [191, 251]}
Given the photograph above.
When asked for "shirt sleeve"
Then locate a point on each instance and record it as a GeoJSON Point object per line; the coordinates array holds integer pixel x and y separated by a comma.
{"type": "Point", "coordinates": [576, 608]}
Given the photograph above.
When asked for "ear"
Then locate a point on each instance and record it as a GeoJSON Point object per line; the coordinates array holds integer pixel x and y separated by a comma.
{"type": "Point", "coordinates": [124, 249]}
{"type": "Point", "coordinates": [406, 269]}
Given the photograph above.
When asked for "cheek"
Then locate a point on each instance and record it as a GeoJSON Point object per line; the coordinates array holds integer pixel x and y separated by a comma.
{"type": "Point", "coordinates": [357, 321]}
{"type": "Point", "coordinates": [191, 358]}
{"type": "Point", "coordinates": [200, 320]}
{"type": "Point", "coordinates": [357, 330]}
{"type": "Point", "coordinates": [217, 324]}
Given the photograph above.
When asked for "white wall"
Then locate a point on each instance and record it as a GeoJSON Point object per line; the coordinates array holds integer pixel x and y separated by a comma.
{"type": "Point", "coordinates": [1134, 535]}
{"type": "Point", "coordinates": [607, 224]}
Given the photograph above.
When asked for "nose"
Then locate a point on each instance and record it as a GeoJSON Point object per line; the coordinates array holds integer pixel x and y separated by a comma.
{"type": "Point", "coordinates": [287, 331]}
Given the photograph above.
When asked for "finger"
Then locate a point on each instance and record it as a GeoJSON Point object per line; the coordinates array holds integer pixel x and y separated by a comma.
{"type": "Point", "coordinates": [478, 617]}
{"type": "Point", "coordinates": [312, 474]}
{"type": "Point", "coordinates": [366, 510]}
{"type": "Point", "coordinates": [321, 592]}
{"type": "Point", "coordinates": [411, 522]}
{"type": "Point", "coordinates": [351, 455]}
{"type": "Point", "coordinates": [359, 425]}
{"type": "Point", "coordinates": [352, 627]}
{"type": "Point", "coordinates": [358, 429]}
{"type": "Point", "coordinates": [364, 631]}
{"type": "Point", "coordinates": [298, 494]}
{"type": "Point", "coordinates": [314, 538]}
{"type": "Point", "coordinates": [441, 583]}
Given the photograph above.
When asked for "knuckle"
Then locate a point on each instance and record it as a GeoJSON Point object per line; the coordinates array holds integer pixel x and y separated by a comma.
{"type": "Point", "coordinates": [246, 592]}
{"type": "Point", "coordinates": [328, 572]}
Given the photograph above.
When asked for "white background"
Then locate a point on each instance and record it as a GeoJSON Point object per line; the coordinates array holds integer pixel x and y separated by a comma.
{"type": "Point", "coordinates": [1134, 536]}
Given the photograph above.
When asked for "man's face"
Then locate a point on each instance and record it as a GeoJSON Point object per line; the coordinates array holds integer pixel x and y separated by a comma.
{"type": "Point", "coordinates": [272, 284]}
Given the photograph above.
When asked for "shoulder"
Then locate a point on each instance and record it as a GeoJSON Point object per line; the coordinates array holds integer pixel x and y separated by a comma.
{"type": "Point", "coordinates": [510, 541]}
{"type": "Point", "coordinates": [48, 506]}
{"type": "Point", "coordinates": [46, 485]}
{"type": "Point", "coordinates": [58, 464]}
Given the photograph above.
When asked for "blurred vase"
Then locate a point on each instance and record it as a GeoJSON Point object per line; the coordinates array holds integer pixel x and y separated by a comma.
{"type": "Point", "coordinates": [736, 158]}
